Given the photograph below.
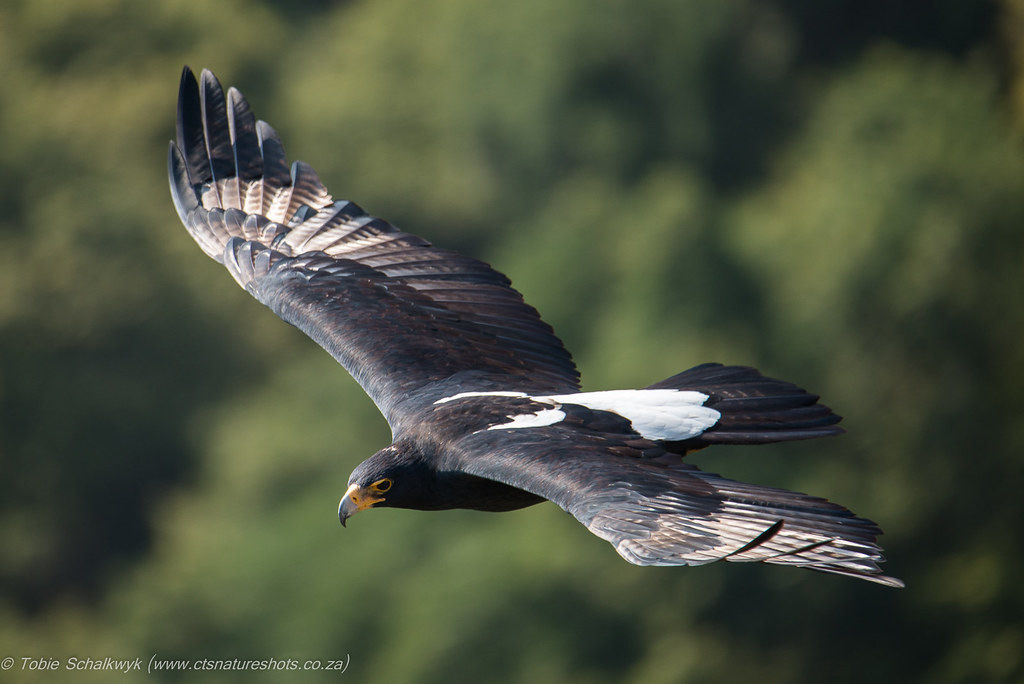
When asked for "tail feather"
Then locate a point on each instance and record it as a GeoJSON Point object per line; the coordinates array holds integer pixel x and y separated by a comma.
{"type": "Point", "coordinates": [755, 409]}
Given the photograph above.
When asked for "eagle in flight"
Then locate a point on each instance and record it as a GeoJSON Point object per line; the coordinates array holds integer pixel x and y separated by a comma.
{"type": "Point", "coordinates": [483, 400]}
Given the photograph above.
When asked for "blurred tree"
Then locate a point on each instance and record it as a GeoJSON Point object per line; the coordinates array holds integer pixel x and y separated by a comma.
{"type": "Point", "coordinates": [902, 207]}
{"type": "Point", "coordinates": [105, 351]}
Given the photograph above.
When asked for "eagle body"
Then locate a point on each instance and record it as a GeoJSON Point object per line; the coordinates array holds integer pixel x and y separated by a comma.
{"type": "Point", "coordinates": [483, 400]}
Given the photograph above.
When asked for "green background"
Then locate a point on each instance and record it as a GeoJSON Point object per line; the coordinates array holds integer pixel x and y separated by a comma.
{"type": "Point", "coordinates": [830, 190]}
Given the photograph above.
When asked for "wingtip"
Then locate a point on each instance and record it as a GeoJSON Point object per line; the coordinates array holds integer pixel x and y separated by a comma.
{"type": "Point", "coordinates": [244, 137]}
{"type": "Point", "coordinates": [189, 128]}
{"type": "Point", "coordinates": [185, 200]}
{"type": "Point", "coordinates": [208, 78]}
{"type": "Point", "coordinates": [188, 78]}
{"type": "Point", "coordinates": [875, 577]}
{"type": "Point", "coordinates": [188, 86]}
{"type": "Point", "coordinates": [893, 582]}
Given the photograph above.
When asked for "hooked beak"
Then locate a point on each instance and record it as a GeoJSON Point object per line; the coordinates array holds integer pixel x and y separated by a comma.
{"type": "Point", "coordinates": [356, 499]}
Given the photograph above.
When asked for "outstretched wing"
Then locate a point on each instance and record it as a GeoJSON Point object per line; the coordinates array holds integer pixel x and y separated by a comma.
{"type": "Point", "coordinates": [656, 510]}
{"type": "Point", "coordinates": [400, 315]}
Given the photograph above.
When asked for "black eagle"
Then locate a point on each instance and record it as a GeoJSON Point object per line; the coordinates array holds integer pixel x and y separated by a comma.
{"type": "Point", "coordinates": [483, 400]}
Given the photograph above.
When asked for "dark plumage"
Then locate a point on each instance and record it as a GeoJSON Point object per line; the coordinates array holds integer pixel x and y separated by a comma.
{"type": "Point", "coordinates": [482, 398]}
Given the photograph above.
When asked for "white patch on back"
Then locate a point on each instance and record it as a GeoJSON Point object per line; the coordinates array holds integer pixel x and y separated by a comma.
{"type": "Point", "coordinates": [463, 395]}
{"type": "Point", "coordinates": [541, 418]}
{"type": "Point", "coordinates": [660, 414]}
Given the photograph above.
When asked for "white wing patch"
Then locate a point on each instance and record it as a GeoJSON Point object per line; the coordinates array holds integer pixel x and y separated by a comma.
{"type": "Point", "coordinates": [541, 418]}
{"type": "Point", "coordinates": [463, 395]}
{"type": "Point", "coordinates": [660, 414]}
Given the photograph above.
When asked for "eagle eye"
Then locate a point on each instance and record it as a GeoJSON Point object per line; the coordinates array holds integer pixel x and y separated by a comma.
{"type": "Point", "coordinates": [382, 485]}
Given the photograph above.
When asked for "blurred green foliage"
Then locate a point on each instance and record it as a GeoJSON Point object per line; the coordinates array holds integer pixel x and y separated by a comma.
{"type": "Point", "coordinates": [833, 191]}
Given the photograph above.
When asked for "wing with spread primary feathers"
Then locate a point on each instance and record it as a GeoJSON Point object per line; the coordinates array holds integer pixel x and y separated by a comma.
{"type": "Point", "coordinates": [656, 510]}
{"type": "Point", "coordinates": [400, 315]}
